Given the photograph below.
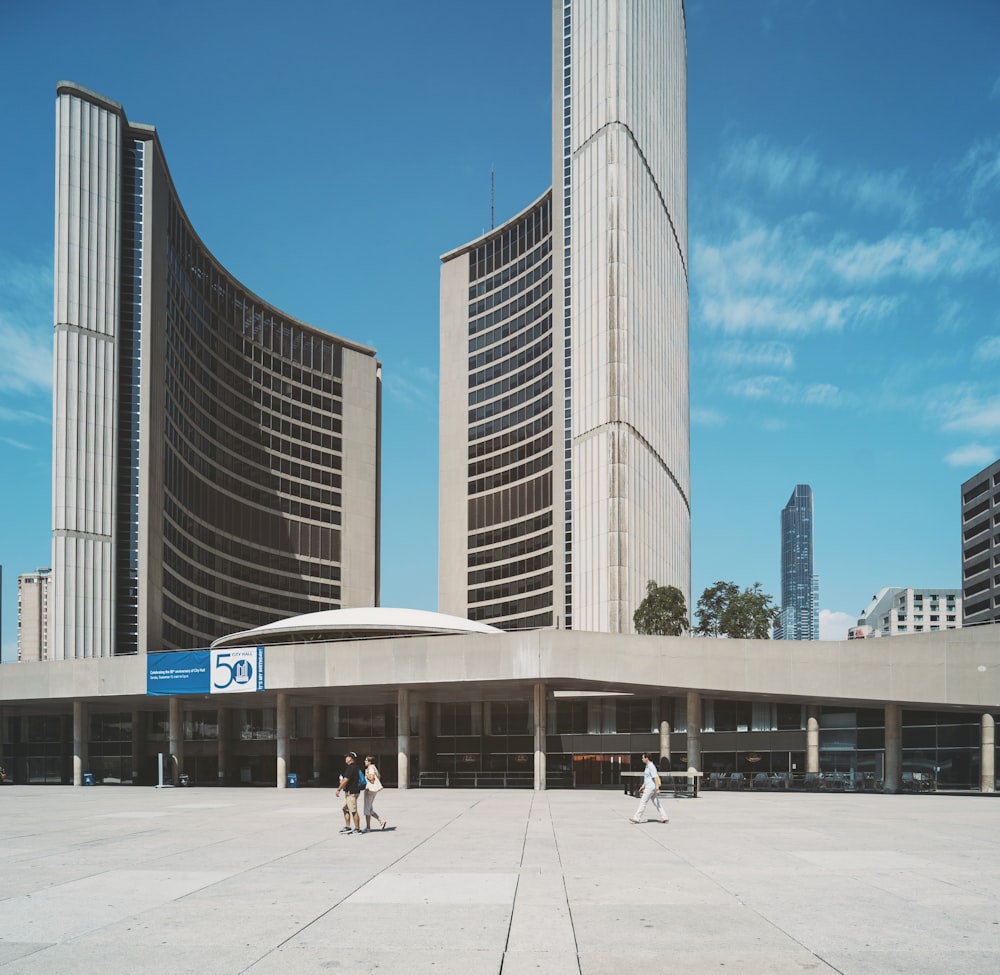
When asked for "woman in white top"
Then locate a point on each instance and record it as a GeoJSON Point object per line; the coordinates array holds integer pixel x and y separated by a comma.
{"type": "Point", "coordinates": [374, 786]}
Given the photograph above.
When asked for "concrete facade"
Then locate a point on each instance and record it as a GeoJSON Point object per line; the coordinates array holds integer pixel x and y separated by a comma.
{"type": "Point", "coordinates": [422, 685]}
{"type": "Point", "coordinates": [564, 353]}
{"type": "Point", "coordinates": [216, 463]}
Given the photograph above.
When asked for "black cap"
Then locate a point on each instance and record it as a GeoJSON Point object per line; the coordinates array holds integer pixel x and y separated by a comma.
{"type": "Point", "coordinates": [353, 755]}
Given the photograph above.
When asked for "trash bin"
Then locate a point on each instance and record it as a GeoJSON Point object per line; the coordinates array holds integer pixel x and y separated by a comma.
{"type": "Point", "coordinates": [293, 780]}
{"type": "Point", "coordinates": [88, 778]}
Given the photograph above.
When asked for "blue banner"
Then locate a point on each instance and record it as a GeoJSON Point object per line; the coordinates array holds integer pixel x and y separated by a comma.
{"type": "Point", "coordinates": [205, 671]}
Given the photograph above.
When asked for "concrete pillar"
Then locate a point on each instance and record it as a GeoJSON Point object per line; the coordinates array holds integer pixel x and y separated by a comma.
{"type": "Point", "coordinates": [176, 742]}
{"type": "Point", "coordinates": [320, 744]}
{"type": "Point", "coordinates": [694, 730]}
{"type": "Point", "coordinates": [665, 732]}
{"type": "Point", "coordinates": [403, 732]}
{"type": "Point", "coordinates": [281, 734]}
{"type": "Point", "coordinates": [539, 710]}
{"type": "Point", "coordinates": [812, 739]}
{"type": "Point", "coordinates": [138, 745]}
{"type": "Point", "coordinates": [425, 738]}
{"type": "Point", "coordinates": [987, 757]}
{"type": "Point", "coordinates": [224, 745]}
{"type": "Point", "coordinates": [893, 748]}
{"type": "Point", "coordinates": [81, 759]}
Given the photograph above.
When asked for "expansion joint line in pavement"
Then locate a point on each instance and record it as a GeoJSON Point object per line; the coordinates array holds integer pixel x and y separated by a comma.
{"type": "Point", "coordinates": [569, 909]}
{"type": "Point", "coordinates": [739, 900]}
{"type": "Point", "coordinates": [351, 893]}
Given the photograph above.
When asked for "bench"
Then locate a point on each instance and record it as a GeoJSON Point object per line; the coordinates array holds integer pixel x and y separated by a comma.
{"type": "Point", "coordinates": [683, 783]}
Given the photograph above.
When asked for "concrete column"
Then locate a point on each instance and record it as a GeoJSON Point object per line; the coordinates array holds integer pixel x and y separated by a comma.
{"type": "Point", "coordinates": [424, 736]}
{"type": "Point", "coordinates": [176, 741]}
{"type": "Point", "coordinates": [665, 733]}
{"type": "Point", "coordinates": [539, 710]}
{"type": "Point", "coordinates": [320, 745]}
{"type": "Point", "coordinates": [138, 745]}
{"type": "Point", "coordinates": [987, 757]}
{"type": "Point", "coordinates": [694, 730]}
{"type": "Point", "coordinates": [224, 745]}
{"type": "Point", "coordinates": [893, 748]}
{"type": "Point", "coordinates": [812, 739]}
{"type": "Point", "coordinates": [281, 734]}
{"type": "Point", "coordinates": [403, 731]}
{"type": "Point", "coordinates": [81, 758]}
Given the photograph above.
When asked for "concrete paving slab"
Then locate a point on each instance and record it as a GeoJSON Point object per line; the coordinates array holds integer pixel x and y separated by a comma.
{"type": "Point", "coordinates": [117, 880]}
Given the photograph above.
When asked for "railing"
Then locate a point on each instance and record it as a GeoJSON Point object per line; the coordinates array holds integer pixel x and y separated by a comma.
{"type": "Point", "coordinates": [491, 780]}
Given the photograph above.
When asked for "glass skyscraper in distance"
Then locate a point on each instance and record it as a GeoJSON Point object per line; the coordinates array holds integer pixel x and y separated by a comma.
{"type": "Point", "coordinates": [799, 583]}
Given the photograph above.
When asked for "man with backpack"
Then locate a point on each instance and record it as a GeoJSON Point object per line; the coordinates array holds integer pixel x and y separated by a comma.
{"type": "Point", "coordinates": [352, 781]}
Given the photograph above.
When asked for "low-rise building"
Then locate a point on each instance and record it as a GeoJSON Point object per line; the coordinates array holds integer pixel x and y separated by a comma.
{"type": "Point", "coordinates": [895, 610]}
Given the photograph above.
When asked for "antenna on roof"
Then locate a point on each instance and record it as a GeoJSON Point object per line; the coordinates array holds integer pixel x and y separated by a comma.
{"type": "Point", "coordinates": [492, 185]}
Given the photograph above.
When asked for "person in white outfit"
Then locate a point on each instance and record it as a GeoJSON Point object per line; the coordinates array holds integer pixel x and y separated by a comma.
{"type": "Point", "coordinates": [650, 783]}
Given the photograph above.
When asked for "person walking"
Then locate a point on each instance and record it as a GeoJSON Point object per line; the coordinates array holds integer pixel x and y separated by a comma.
{"type": "Point", "coordinates": [351, 783]}
{"type": "Point", "coordinates": [375, 786]}
{"type": "Point", "coordinates": [650, 784]}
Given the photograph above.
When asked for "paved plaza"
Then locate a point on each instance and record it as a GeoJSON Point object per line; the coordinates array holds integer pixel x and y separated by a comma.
{"type": "Point", "coordinates": [122, 880]}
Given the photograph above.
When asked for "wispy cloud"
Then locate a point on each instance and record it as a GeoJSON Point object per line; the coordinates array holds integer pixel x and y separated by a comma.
{"type": "Point", "coordinates": [777, 389]}
{"type": "Point", "coordinates": [775, 168]}
{"type": "Point", "coordinates": [966, 410]}
{"type": "Point", "coordinates": [706, 418]}
{"type": "Point", "coordinates": [987, 348]}
{"type": "Point", "coordinates": [928, 255]}
{"type": "Point", "coordinates": [26, 363]}
{"type": "Point", "coordinates": [759, 355]}
{"type": "Point", "coordinates": [25, 326]}
{"type": "Point", "coordinates": [411, 385]}
{"type": "Point", "coordinates": [788, 171]}
{"type": "Point", "coordinates": [979, 171]}
{"type": "Point", "coordinates": [971, 455]}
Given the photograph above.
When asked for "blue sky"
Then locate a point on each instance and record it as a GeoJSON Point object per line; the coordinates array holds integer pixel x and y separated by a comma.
{"type": "Point", "coordinates": [844, 194]}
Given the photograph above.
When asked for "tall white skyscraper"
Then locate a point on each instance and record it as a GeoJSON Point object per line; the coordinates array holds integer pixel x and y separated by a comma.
{"type": "Point", "coordinates": [565, 441]}
{"type": "Point", "coordinates": [216, 463]}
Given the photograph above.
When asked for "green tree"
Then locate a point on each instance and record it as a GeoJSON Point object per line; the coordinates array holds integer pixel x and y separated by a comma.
{"type": "Point", "coordinates": [663, 612]}
{"type": "Point", "coordinates": [726, 610]}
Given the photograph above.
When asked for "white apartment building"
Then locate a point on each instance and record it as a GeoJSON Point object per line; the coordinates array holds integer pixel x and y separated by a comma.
{"type": "Point", "coordinates": [895, 610]}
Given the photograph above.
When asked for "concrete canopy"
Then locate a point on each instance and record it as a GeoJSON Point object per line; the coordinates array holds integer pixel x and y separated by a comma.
{"type": "Point", "coordinates": [354, 624]}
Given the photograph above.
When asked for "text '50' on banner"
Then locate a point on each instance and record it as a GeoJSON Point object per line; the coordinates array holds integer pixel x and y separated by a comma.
{"type": "Point", "coordinates": [205, 671]}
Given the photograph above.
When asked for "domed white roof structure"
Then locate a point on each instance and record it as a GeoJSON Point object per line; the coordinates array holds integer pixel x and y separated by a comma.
{"type": "Point", "coordinates": [363, 623]}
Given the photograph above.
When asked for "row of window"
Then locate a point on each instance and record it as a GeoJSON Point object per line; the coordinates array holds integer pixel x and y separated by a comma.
{"type": "Point", "coordinates": [511, 552]}
{"type": "Point", "coordinates": [860, 727]}
{"type": "Point", "coordinates": [510, 504]}
{"type": "Point", "coordinates": [521, 452]}
{"type": "Point", "coordinates": [532, 371]}
{"type": "Point", "coordinates": [508, 244]}
{"type": "Point", "coordinates": [515, 288]}
{"type": "Point", "coordinates": [508, 420]}
{"type": "Point", "coordinates": [512, 326]}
